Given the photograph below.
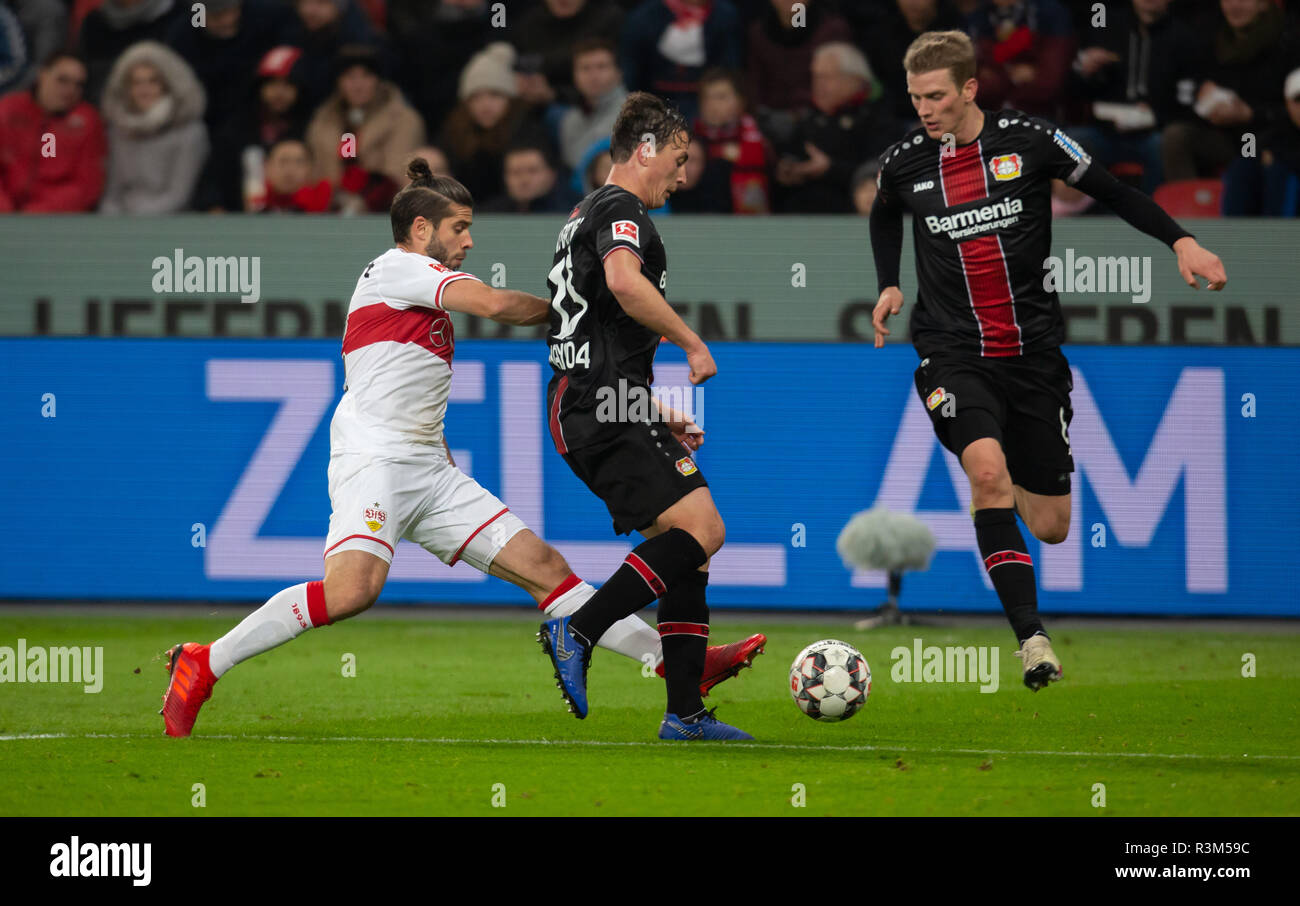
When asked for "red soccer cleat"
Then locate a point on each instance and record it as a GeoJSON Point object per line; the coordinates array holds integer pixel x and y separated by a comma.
{"type": "Point", "coordinates": [190, 686]}
{"type": "Point", "coordinates": [722, 662]}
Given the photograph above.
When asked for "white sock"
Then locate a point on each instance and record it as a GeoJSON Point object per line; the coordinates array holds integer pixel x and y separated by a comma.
{"type": "Point", "coordinates": [631, 636]}
{"type": "Point", "coordinates": [280, 619]}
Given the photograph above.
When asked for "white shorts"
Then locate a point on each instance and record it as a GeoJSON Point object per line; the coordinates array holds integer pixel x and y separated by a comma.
{"type": "Point", "coordinates": [376, 502]}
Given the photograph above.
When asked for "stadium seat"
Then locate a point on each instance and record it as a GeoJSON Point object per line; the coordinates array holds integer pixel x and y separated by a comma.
{"type": "Point", "coordinates": [1190, 197]}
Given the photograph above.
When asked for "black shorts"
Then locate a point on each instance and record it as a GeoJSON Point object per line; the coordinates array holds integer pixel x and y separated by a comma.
{"type": "Point", "coordinates": [1023, 401]}
{"type": "Point", "coordinates": [638, 474]}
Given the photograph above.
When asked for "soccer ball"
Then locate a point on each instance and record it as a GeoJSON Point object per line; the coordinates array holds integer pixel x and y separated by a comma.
{"type": "Point", "coordinates": [830, 680]}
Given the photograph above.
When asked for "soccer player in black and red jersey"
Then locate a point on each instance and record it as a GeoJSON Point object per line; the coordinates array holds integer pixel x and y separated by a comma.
{"type": "Point", "coordinates": [608, 314]}
{"type": "Point", "coordinates": [988, 331]}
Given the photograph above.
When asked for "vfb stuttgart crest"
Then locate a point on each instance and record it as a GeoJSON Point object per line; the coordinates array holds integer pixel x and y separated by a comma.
{"type": "Point", "coordinates": [375, 518]}
{"type": "Point", "coordinates": [1006, 166]}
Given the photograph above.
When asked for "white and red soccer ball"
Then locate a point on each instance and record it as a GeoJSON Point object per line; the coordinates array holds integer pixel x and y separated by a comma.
{"type": "Point", "coordinates": [830, 680]}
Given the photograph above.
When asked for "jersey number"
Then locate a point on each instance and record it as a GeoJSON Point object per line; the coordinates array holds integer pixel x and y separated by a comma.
{"type": "Point", "coordinates": [562, 276]}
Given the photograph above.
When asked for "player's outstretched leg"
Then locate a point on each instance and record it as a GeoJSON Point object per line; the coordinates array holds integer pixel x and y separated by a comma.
{"type": "Point", "coordinates": [354, 580]}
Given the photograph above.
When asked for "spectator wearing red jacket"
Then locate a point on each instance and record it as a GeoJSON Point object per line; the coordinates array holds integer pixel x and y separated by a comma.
{"type": "Point", "coordinates": [1024, 50]}
{"type": "Point", "coordinates": [289, 184]}
{"type": "Point", "coordinates": [52, 144]}
{"type": "Point", "coordinates": [732, 138]}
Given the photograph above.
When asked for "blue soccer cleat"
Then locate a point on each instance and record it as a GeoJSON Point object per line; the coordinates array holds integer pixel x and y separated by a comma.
{"type": "Point", "coordinates": [704, 727]}
{"type": "Point", "coordinates": [571, 659]}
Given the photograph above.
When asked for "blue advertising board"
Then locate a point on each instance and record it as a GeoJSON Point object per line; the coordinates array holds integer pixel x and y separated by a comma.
{"type": "Point", "coordinates": [196, 470]}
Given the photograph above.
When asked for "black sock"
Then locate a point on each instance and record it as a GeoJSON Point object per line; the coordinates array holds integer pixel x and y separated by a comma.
{"type": "Point", "coordinates": [653, 566]}
{"type": "Point", "coordinates": [1010, 568]}
{"type": "Point", "coordinates": [684, 631]}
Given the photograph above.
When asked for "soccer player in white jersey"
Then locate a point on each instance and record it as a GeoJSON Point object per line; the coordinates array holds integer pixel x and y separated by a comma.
{"type": "Point", "coordinates": [391, 475]}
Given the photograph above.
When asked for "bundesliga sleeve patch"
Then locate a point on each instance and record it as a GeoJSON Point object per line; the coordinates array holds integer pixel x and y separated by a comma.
{"type": "Point", "coordinates": [627, 231]}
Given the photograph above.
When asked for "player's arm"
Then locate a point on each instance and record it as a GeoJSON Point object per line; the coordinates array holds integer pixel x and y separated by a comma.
{"type": "Point", "coordinates": [1144, 214]}
{"type": "Point", "coordinates": [644, 304]}
{"type": "Point", "coordinates": [505, 305]}
{"type": "Point", "coordinates": [886, 224]}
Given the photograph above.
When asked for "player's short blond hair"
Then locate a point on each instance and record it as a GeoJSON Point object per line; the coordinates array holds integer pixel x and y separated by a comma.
{"type": "Point", "coordinates": [950, 50]}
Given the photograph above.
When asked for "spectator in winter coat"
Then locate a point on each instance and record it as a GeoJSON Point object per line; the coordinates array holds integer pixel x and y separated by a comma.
{"type": "Point", "coordinates": [157, 143]}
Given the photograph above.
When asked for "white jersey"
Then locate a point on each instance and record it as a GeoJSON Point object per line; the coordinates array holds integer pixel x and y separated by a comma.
{"type": "Point", "coordinates": [397, 350]}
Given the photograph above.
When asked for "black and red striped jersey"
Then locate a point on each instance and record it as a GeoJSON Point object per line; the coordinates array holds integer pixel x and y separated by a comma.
{"type": "Point", "coordinates": [595, 346]}
{"type": "Point", "coordinates": [982, 225]}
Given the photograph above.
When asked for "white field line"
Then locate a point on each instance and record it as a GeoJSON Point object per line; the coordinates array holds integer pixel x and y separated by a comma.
{"type": "Point", "coordinates": [595, 743]}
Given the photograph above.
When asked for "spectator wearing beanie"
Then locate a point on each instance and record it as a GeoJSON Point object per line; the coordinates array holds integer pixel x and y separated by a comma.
{"type": "Point", "coordinates": [1023, 53]}
{"type": "Point", "coordinates": [51, 115]}
{"type": "Point", "coordinates": [667, 44]}
{"type": "Point", "coordinates": [485, 122]}
{"type": "Point", "coordinates": [599, 85]}
{"type": "Point", "coordinates": [731, 138]}
{"type": "Point", "coordinates": [274, 110]}
{"type": "Point", "coordinates": [224, 53]}
{"type": "Point", "coordinates": [157, 142]}
{"type": "Point", "coordinates": [367, 170]}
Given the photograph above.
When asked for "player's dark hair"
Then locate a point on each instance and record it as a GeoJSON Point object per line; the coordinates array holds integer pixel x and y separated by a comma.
{"type": "Point", "coordinates": [644, 115]}
{"type": "Point", "coordinates": [428, 196]}
{"type": "Point", "coordinates": [950, 50]}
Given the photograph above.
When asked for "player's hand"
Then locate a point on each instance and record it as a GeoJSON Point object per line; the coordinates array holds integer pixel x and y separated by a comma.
{"type": "Point", "coordinates": [1194, 261]}
{"type": "Point", "coordinates": [890, 303]}
{"type": "Point", "coordinates": [683, 427]}
{"type": "Point", "coordinates": [702, 364]}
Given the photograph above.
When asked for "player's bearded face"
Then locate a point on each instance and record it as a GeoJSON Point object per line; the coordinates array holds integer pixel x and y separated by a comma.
{"type": "Point", "coordinates": [449, 242]}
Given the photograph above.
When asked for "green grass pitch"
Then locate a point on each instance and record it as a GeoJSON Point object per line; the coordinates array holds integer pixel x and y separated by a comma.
{"type": "Point", "coordinates": [456, 716]}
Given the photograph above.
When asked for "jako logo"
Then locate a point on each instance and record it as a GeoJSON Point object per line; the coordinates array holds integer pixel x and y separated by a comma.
{"type": "Point", "coordinates": [53, 665]}
{"type": "Point", "coordinates": [102, 860]}
{"type": "Point", "coordinates": [922, 186]}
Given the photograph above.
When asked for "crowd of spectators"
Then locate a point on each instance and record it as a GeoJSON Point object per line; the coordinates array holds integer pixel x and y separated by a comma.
{"type": "Point", "coordinates": [164, 106]}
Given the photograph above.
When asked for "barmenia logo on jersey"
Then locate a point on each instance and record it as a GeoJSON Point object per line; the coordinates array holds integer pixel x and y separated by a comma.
{"type": "Point", "coordinates": [977, 220]}
{"type": "Point", "coordinates": [686, 466]}
{"type": "Point", "coordinates": [375, 518]}
{"type": "Point", "coordinates": [1005, 166]}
